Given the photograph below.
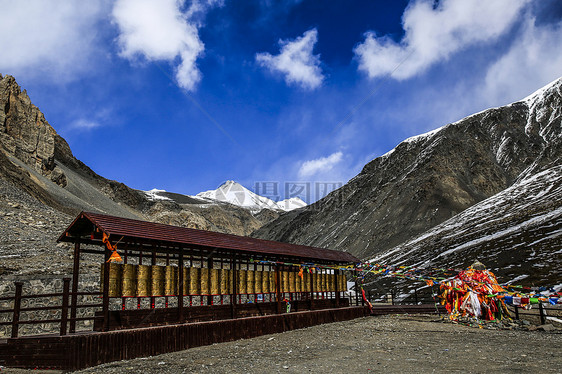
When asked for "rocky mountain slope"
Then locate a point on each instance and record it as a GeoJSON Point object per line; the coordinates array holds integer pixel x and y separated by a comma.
{"type": "Point", "coordinates": [517, 233]}
{"type": "Point", "coordinates": [428, 179]}
{"type": "Point", "coordinates": [40, 175]}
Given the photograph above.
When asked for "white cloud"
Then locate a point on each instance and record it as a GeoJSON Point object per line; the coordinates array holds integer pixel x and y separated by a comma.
{"type": "Point", "coordinates": [85, 124]}
{"type": "Point", "coordinates": [433, 34]}
{"type": "Point", "coordinates": [534, 60]}
{"type": "Point", "coordinates": [320, 165]}
{"type": "Point", "coordinates": [158, 30]}
{"type": "Point", "coordinates": [49, 38]}
{"type": "Point", "coordinates": [296, 61]}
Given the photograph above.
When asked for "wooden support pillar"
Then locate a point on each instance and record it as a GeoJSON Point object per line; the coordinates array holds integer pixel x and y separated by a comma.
{"type": "Point", "coordinates": [105, 303]}
{"type": "Point", "coordinates": [311, 281]}
{"type": "Point", "coordinates": [234, 280]}
{"type": "Point", "coordinates": [138, 298]}
{"type": "Point", "coordinates": [75, 275]}
{"type": "Point", "coordinates": [64, 308]}
{"type": "Point", "coordinates": [278, 288]}
{"type": "Point", "coordinates": [180, 286]}
{"type": "Point", "coordinates": [209, 266]}
{"type": "Point", "coordinates": [152, 298]}
{"type": "Point", "coordinates": [17, 307]}
{"type": "Point", "coordinates": [336, 276]}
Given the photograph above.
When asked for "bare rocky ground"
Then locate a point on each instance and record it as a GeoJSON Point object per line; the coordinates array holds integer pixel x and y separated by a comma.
{"type": "Point", "coordinates": [393, 344]}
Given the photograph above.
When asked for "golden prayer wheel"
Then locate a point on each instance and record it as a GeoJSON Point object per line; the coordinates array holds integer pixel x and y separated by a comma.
{"type": "Point", "coordinates": [158, 280]}
{"type": "Point", "coordinates": [214, 276]}
{"type": "Point", "coordinates": [231, 281]}
{"type": "Point", "coordinates": [258, 284]}
{"type": "Point", "coordinates": [292, 281]}
{"type": "Point", "coordinates": [343, 280]}
{"type": "Point", "coordinates": [129, 284]}
{"type": "Point", "coordinates": [205, 284]}
{"type": "Point", "coordinates": [186, 281]}
{"type": "Point", "coordinates": [306, 282]}
{"type": "Point", "coordinates": [285, 281]}
{"type": "Point", "coordinates": [324, 282]}
{"type": "Point", "coordinates": [317, 282]}
{"type": "Point", "coordinates": [224, 281]}
{"type": "Point", "coordinates": [265, 282]}
{"type": "Point", "coordinates": [272, 282]}
{"type": "Point", "coordinates": [242, 279]}
{"type": "Point", "coordinates": [194, 281]}
{"type": "Point", "coordinates": [250, 281]}
{"type": "Point", "coordinates": [171, 277]}
{"type": "Point", "coordinates": [144, 280]}
{"type": "Point", "coordinates": [115, 279]}
{"type": "Point", "coordinates": [298, 283]}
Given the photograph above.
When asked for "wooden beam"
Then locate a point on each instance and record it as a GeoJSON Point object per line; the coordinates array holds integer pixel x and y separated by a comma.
{"type": "Point", "coordinates": [180, 287]}
{"type": "Point", "coordinates": [75, 275]}
{"type": "Point", "coordinates": [278, 288]}
{"type": "Point", "coordinates": [105, 307]}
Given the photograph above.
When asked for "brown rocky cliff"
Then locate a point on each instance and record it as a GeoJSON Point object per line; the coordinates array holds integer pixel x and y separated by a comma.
{"type": "Point", "coordinates": [25, 133]}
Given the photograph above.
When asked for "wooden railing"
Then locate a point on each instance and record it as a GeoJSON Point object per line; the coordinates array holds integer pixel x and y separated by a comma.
{"type": "Point", "coordinates": [64, 307]}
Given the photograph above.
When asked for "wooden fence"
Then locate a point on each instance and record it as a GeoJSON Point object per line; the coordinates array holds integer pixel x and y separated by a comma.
{"type": "Point", "coordinates": [64, 320]}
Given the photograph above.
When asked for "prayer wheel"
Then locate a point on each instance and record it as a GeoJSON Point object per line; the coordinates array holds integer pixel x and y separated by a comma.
{"type": "Point", "coordinates": [298, 283]}
{"type": "Point", "coordinates": [250, 281]}
{"type": "Point", "coordinates": [224, 281]}
{"type": "Point", "coordinates": [306, 282]}
{"type": "Point", "coordinates": [265, 282]}
{"type": "Point", "coordinates": [292, 281]}
{"type": "Point", "coordinates": [205, 284]}
{"type": "Point", "coordinates": [144, 281]}
{"type": "Point", "coordinates": [129, 285]}
{"type": "Point", "coordinates": [194, 281]}
{"type": "Point", "coordinates": [324, 282]}
{"type": "Point", "coordinates": [285, 281]}
{"type": "Point", "coordinates": [272, 282]}
{"type": "Point", "coordinates": [158, 280]}
{"type": "Point", "coordinates": [231, 281]}
{"type": "Point", "coordinates": [214, 276]}
{"type": "Point", "coordinates": [115, 279]}
{"type": "Point", "coordinates": [242, 279]}
{"type": "Point", "coordinates": [171, 287]}
{"type": "Point", "coordinates": [186, 281]}
{"type": "Point", "coordinates": [317, 282]}
{"type": "Point", "coordinates": [343, 280]}
{"type": "Point", "coordinates": [331, 283]}
{"type": "Point", "coordinates": [258, 284]}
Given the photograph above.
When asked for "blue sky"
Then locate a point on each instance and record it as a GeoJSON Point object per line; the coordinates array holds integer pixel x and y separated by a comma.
{"type": "Point", "coordinates": [183, 95]}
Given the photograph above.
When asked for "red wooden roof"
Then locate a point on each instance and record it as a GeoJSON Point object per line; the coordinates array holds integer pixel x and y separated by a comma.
{"type": "Point", "coordinates": [135, 230]}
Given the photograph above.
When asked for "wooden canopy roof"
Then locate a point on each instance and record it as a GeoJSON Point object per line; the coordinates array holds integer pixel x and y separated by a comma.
{"type": "Point", "coordinates": [89, 228]}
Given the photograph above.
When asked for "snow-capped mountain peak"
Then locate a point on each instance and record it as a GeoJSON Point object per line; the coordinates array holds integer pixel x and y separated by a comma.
{"type": "Point", "coordinates": [236, 194]}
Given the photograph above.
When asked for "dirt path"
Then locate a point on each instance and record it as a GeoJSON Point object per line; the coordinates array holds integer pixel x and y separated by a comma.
{"type": "Point", "coordinates": [393, 344]}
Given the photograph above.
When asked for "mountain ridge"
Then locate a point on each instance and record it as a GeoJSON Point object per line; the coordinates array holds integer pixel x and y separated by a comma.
{"type": "Point", "coordinates": [430, 178]}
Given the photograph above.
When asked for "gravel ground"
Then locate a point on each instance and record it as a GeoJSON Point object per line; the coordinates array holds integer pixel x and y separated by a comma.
{"type": "Point", "coordinates": [399, 343]}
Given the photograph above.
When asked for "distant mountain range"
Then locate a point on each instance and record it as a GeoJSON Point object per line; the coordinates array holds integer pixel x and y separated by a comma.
{"type": "Point", "coordinates": [486, 187]}
{"type": "Point", "coordinates": [234, 193]}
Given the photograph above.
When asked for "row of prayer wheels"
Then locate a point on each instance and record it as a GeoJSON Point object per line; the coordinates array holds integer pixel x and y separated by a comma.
{"type": "Point", "coordinates": [127, 280]}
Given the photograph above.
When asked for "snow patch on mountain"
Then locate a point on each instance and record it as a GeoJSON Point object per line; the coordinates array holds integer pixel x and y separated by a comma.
{"type": "Point", "coordinates": [504, 225]}
{"type": "Point", "coordinates": [156, 194]}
